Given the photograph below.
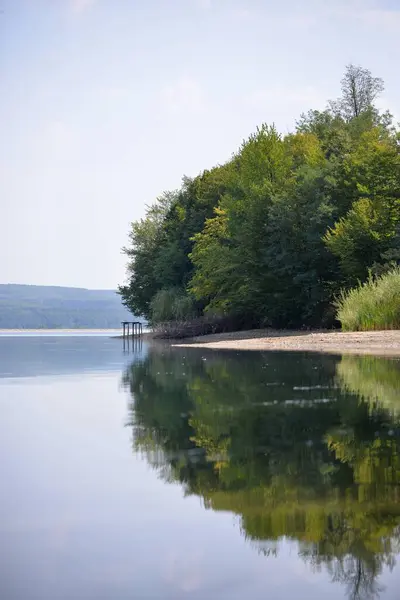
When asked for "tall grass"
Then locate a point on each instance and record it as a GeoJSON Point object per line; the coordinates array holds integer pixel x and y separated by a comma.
{"type": "Point", "coordinates": [373, 305]}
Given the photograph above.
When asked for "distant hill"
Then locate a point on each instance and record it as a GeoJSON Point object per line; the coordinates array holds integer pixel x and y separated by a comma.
{"type": "Point", "coordinates": [48, 307]}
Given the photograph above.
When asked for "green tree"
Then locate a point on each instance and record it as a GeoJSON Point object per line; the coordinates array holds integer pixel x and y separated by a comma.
{"type": "Point", "coordinates": [302, 268]}
{"type": "Point", "coordinates": [160, 244]}
{"type": "Point", "coordinates": [145, 240]}
{"type": "Point", "coordinates": [236, 235]}
{"type": "Point", "coordinates": [368, 231]}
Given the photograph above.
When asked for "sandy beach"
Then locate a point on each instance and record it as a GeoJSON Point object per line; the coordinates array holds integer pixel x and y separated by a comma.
{"type": "Point", "coordinates": [365, 342]}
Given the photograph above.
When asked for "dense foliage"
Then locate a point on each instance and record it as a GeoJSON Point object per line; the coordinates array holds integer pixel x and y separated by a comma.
{"type": "Point", "coordinates": [49, 307]}
{"type": "Point", "coordinates": [299, 447]}
{"type": "Point", "coordinates": [274, 234]}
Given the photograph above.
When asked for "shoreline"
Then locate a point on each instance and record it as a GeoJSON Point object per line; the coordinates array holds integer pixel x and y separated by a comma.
{"type": "Point", "coordinates": [378, 343]}
{"type": "Point", "coordinates": [146, 335]}
{"type": "Point", "coordinates": [71, 331]}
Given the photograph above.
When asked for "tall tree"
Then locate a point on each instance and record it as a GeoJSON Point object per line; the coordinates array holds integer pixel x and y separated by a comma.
{"type": "Point", "coordinates": [359, 91]}
{"type": "Point", "coordinates": [145, 239]}
{"type": "Point", "coordinates": [369, 229]}
{"type": "Point", "coordinates": [160, 244]}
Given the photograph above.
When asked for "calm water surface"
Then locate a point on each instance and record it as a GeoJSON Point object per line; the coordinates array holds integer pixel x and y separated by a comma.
{"type": "Point", "coordinates": [172, 474]}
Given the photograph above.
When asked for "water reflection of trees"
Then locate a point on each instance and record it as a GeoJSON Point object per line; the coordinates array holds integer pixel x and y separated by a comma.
{"type": "Point", "coordinates": [289, 443]}
{"type": "Point", "coordinates": [372, 378]}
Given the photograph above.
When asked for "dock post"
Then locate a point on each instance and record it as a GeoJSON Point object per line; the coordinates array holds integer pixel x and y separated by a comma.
{"type": "Point", "coordinates": [137, 329]}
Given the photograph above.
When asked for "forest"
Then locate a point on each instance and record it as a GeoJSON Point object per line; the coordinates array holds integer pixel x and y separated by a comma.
{"type": "Point", "coordinates": [290, 223]}
{"type": "Point", "coordinates": [53, 307]}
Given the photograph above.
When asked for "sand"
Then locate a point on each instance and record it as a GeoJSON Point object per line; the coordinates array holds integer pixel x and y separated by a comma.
{"type": "Point", "coordinates": [365, 342]}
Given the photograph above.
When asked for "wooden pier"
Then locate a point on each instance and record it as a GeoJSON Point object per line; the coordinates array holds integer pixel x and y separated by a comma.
{"type": "Point", "coordinates": [132, 328]}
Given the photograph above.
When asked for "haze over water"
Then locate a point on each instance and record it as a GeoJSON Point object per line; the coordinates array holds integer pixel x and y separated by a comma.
{"type": "Point", "coordinates": [184, 473]}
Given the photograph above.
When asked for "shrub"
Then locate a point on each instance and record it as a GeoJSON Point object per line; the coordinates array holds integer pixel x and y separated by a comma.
{"type": "Point", "coordinates": [198, 326]}
{"type": "Point", "coordinates": [372, 305]}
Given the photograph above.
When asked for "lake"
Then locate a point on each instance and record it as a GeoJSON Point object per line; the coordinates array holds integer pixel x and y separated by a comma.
{"type": "Point", "coordinates": [158, 473]}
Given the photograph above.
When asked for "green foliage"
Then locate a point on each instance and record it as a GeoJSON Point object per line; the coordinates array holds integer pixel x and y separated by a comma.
{"type": "Point", "coordinates": [369, 229]}
{"type": "Point", "coordinates": [160, 244]}
{"type": "Point", "coordinates": [355, 241]}
{"type": "Point", "coordinates": [247, 256]}
{"type": "Point", "coordinates": [171, 304]}
{"type": "Point", "coordinates": [296, 257]}
{"type": "Point", "coordinates": [373, 305]}
{"type": "Point", "coordinates": [272, 236]}
{"type": "Point", "coordinates": [145, 237]}
{"type": "Point", "coordinates": [215, 265]}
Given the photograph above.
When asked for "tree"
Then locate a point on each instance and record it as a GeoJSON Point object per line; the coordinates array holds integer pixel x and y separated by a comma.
{"type": "Point", "coordinates": [368, 231]}
{"type": "Point", "coordinates": [170, 304]}
{"type": "Point", "coordinates": [160, 244]}
{"type": "Point", "coordinates": [295, 255]}
{"type": "Point", "coordinates": [262, 254]}
{"type": "Point", "coordinates": [226, 253]}
{"type": "Point", "coordinates": [215, 265]}
{"type": "Point", "coordinates": [359, 91]}
{"type": "Point", "coordinates": [145, 238]}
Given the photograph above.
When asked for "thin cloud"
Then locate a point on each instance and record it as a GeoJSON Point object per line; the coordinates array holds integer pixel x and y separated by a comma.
{"type": "Point", "coordinates": [204, 4]}
{"type": "Point", "coordinates": [80, 6]}
{"type": "Point", "coordinates": [287, 97]}
{"type": "Point", "coordinates": [242, 13]}
{"type": "Point", "coordinates": [369, 12]}
{"type": "Point", "coordinates": [57, 142]}
{"type": "Point", "coordinates": [388, 20]}
{"type": "Point", "coordinates": [186, 95]}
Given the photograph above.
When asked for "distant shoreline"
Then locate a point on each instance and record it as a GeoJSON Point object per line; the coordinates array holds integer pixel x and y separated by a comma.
{"type": "Point", "coordinates": [46, 331]}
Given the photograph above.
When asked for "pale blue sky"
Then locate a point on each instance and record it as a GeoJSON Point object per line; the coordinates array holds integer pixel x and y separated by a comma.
{"type": "Point", "coordinates": [106, 103]}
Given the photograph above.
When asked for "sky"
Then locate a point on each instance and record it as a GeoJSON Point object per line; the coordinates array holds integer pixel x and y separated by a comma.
{"type": "Point", "coordinates": [105, 104]}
